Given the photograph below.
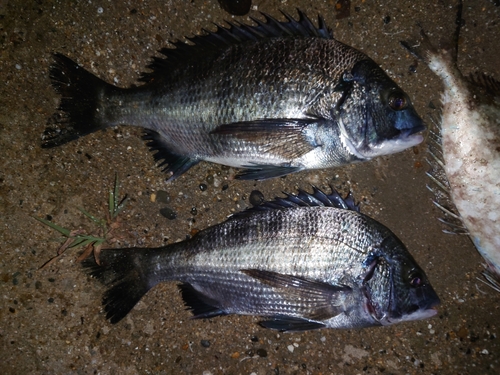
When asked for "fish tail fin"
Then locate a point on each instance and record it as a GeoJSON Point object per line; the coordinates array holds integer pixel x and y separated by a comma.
{"type": "Point", "coordinates": [78, 110]}
{"type": "Point", "coordinates": [447, 48]}
{"type": "Point", "coordinates": [126, 272]}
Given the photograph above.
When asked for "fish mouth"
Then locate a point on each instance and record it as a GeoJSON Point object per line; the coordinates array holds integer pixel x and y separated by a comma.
{"type": "Point", "coordinates": [420, 303]}
{"type": "Point", "coordinates": [417, 313]}
{"type": "Point", "coordinates": [401, 142]}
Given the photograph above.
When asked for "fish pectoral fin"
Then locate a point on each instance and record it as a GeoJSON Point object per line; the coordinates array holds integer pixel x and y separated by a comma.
{"type": "Point", "coordinates": [283, 137]}
{"type": "Point", "coordinates": [285, 323]}
{"type": "Point", "coordinates": [200, 305]}
{"type": "Point", "coordinates": [264, 172]}
{"type": "Point", "coordinates": [175, 164]}
{"type": "Point", "coordinates": [323, 300]}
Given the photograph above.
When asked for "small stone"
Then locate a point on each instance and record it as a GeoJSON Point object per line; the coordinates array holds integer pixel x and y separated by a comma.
{"type": "Point", "coordinates": [256, 198]}
{"type": "Point", "coordinates": [203, 187]}
{"type": "Point", "coordinates": [162, 196]}
{"type": "Point", "coordinates": [205, 343]}
{"type": "Point", "coordinates": [194, 211]}
{"type": "Point", "coordinates": [261, 353]}
{"type": "Point", "coordinates": [235, 355]}
{"type": "Point", "coordinates": [291, 348]}
{"type": "Point", "coordinates": [168, 213]}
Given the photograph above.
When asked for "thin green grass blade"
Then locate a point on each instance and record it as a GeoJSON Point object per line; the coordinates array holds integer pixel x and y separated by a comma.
{"type": "Point", "coordinates": [92, 217]}
{"type": "Point", "coordinates": [64, 231]}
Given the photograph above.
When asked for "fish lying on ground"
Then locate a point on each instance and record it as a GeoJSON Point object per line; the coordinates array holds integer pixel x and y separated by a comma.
{"type": "Point", "coordinates": [304, 262]}
{"type": "Point", "coordinates": [274, 98]}
{"type": "Point", "coordinates": [470, 141]}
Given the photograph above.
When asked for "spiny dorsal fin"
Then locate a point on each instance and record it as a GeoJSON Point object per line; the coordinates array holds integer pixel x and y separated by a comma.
{"type": "Point", "coordinates": [490, 84]}
{"type": "Point", "coordinates": [215, 42]}
{"type": "Point", "coordinates": [304, 199]}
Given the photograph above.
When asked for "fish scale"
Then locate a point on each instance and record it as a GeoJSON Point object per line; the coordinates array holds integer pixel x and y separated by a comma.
{"type": "Point", "coordinates": [273, 98]}
{"type": "Point", "coordinates": [304, 262]}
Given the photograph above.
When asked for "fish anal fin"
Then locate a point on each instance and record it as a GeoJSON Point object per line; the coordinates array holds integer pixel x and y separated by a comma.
{"type": "Point", "coordinates": [200, 305]}
{"type": "Point", "coordinates": [174, 164]}
{"type": "Point", "coordinates": [264, 172]}
{"type": "Point", "coordinates": [285, 323]}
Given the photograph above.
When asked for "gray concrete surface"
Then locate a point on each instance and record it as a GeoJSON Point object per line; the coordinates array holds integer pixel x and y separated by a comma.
{"type": "Point", "coordinates": [50, 319]}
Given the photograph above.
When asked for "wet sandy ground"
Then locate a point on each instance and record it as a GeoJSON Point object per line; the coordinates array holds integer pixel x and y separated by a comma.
{"type": "Point", "coordinates": [50, 319]}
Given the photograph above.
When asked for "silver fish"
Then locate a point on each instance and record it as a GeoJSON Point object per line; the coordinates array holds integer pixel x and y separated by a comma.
{"type": "Point", "coordinates": [470, 141]}
{"type": "Point", "coordinates": [304, 262]}
{"type": "Point", "coordinates": [273, 98]}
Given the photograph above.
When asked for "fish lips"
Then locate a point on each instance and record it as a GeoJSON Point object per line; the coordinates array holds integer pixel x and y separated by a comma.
{"type": "Point", "coordinates": [405, 139]}
{"type": "Point", "coordinates": [423, 305]}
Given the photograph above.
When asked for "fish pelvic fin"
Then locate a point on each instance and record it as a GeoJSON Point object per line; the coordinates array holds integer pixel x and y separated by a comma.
{"type": "Point", "coordinates": [173, 164]}
{"type": "Point", "coordinates": [199, 304]}
{"type": "Point", "coordinates": [125, 272]}
{"type": "Point", "coordinates": [285, 323]}
{"type": "Point", "coordinates": [78, 112]}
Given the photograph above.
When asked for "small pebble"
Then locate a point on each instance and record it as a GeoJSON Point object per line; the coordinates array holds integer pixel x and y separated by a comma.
{"type": "Point", "coordinates": [203, 187]}
{"type": "Point", "coordinates": [236, 7]}
{"type": "Point", "coordinates": [168, 213]}
{"type": "Point", "coordinates": [162, 196]}
{"type": "Point", "coordinates": [256, 198]}
{"type": "Point", "coordinates": [262, 353]}
{"type": "Point", "coordinates": [291, 348]}
{"type": "Point", "coordinates": [100, 10]}
{"type": "Point", "coordinates": [205, 343]}
{"type": "Point", "coordinates": [194, 211]}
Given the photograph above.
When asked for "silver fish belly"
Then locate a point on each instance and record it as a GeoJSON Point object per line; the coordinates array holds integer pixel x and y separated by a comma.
{"type": "Point", "coordinates": [303, 262]}
{"type": "Point", "coordinates": [274, 98]}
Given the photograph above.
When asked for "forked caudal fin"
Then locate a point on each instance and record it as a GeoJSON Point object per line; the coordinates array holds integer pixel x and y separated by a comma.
{"type": "Point", "coordinates": [125, 270]}
{"type": "Point", "coordinates": [79, 107]}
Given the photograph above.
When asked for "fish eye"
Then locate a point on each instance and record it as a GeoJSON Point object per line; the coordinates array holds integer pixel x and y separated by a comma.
{"type": "Point", "coordinates": [397, 101]}
{"type": "Point", "coordinates": [415, 279]}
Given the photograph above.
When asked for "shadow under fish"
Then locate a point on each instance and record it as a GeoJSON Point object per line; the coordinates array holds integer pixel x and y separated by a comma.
{"type": "Point", "coordinates": [303, 262]}
{"type": "Point", "coordinates": [273, 98]}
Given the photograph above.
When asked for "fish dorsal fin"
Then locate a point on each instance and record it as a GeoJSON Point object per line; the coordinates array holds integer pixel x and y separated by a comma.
{"type": "Point", "coordinates": [305, 199]}
{"type": "Point", "coordinates": [490, 84]}
{"type": "Point", "coordinates": [212, 43]}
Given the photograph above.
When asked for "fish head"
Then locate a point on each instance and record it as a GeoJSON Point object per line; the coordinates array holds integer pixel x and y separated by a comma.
{"type": "Point", "coordinates": [396, 288]}
{"type": "Point", "coordinates": [375, 116]}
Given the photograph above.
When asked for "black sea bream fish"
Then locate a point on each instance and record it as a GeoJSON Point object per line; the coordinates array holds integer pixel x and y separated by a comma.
{"type": "Point", "coordinates": [470, 141]}
{"type": "Point", "coordinates": [303, 262]}
{"type": "Point", "coordinates": [274, 98]}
